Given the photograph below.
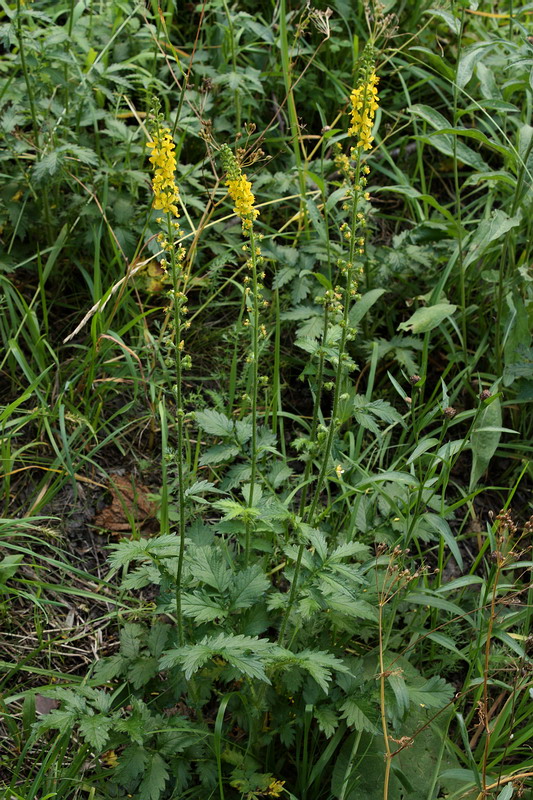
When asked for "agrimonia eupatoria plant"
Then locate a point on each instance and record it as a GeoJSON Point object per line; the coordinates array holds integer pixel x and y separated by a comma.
{"type": "Point", "coordinates": [166, 198]}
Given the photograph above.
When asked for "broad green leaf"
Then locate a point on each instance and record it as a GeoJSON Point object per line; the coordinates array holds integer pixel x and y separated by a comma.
{"type": "Point", "coordinates": [8, 567]}
{"type": "Point", "coordinates": [433, 601]}
{"type": "Point", "coordinates": [427, 318]}
{"type": "Point", "coordinates": [412, 192]}
{"type": "Point", "coordinates": [506, 793]}
{"type": "Point", "coordinates": [452, 22]}
{"type": "Point", "coordinates": [436, 61]}
{"type": "Point", "coordinates": [472, 133]}
{"type": "Point", "coordinates": [469, 58]}
{"type": "Point", "coordinates": [441, 525]}
{"type": "Point", "coordinates": [363, 305]}
{"type": "Point", "coordinates": [485, 442]}
{"type": "Point", "coordinates": [421, 448]}
{"type": "Point", "coordinates": [487, 231]}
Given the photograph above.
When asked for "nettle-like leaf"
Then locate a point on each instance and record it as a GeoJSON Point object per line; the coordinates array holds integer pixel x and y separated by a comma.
{"type": "Point", "coordinates": [142, 670]}
{"type": "Point", "coordinates": [131, 764]}
{"type": "Point", "coordinates": [157, 638]}
{"type": "Point", "coordinates": [247, 654]}
{"type": "Point", "coordinates": [319, 664]}
{"type": "Point", "coordinates": [130, 639]}
{"type": "Point", "coordinates": [146, 575]}
{"type": "Point", "coordinates": [327, 719]}
{"type": "Point", "coordinates": [434, 693]}
{"type": "Point", "coordinates": [95, 729]}
{"type": "Point", "coordinates": [231, 509]}
{"type": "Point", "coordinates": [247, 587]}
{"type": "Point", "coordinates": [108, 668]}
{"type": "Point", "coordinates": [366, 412]}
{"type": "Point", "coordinates": [218, 454]}
{"type": "Point", "coordinates": [207, 567]}
{"type": "Point", "coordinates": [124, 553]}
{"type": "Point", "coordinates": [215, 423]}
{"type": "Point", "coordinates": [62, 720]}
{"type": "Point", "coordinates": [155, 778]}
{"type": "Point", "coordinates": [198, 488]}
{"type": "Point", "coordinates": [201, 607]}
{"type": "Point", "coordinates": [359, 715]}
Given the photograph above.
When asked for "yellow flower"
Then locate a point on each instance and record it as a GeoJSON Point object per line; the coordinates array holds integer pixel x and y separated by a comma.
{"type": "Point", "coordinates": [166, 194]}
{"type": "Point", "coordinates": [364, 100]}
{"type": "Point", "coordinates": [240, 191]}
{"type": "Point", "coordinates": [275, 788]}
{"type": "Point", "coordinates": [110, 758]}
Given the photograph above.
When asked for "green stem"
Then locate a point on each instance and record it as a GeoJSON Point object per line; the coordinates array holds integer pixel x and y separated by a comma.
{"type": "Point", "coordinates": [309, 517]}
{"type": "Point", "coordinates": [236, 94]}
{"type": "Point", "coordinates": [291, 105]}
{"type": "Point", "coordinates": [27, 81]}
{"type": "Point", "coordinates": [255, 380]}
{"type": "Point", "coordinates": [462, 283]}
{"type": "Point", "coordinates": [176, 305]}
{"type": "Point", "coordinates": [316, 409]}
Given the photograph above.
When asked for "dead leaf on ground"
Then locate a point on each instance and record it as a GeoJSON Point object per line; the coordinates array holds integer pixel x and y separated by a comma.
{"type": "Point", "coordinates": [129, 505]}
{"type": "Point", "coordinates": [44, 705]}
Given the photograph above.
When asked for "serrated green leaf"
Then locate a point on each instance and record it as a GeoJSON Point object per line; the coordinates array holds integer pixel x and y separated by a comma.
{"type": "Point", "coordinates": [248, 586]}
{"type": "Point", "coordinates": [95, 730]}
{"type": "Point", "coordinates": [201, 607]}
{"type": "Point", "coordinates": [355, 717]}
{"type": "Point", "coordinates": [108, 668]}
{"type": "Point", "coordinates": [142, 670]}
{"type": "Point", "coordinates": [435, 693]}
{"type": "Point", "coordinates": [131, 763]}
{"type": "Point", "coordinates": [283, 276]}
{"type": "Point", "coordinates": [218, 454]}
{"type": "Point", "coordinates": [155, 778]}
{"type": "Point", "coordinates": [215, 423]}
{"type": "Point", "coordinates": [207, 567]}
{"type": "Point", "coordinates": [130, 640]}
{"type": "Point", "coordinates": [157, 638]}
{"type": "Point", "coordinates": [327, 720]}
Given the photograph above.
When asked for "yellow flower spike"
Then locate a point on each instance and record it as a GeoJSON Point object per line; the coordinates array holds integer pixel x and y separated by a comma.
{"type": "Point", "coordinates": [163, 159]}
{"type": "Point", "coordinates": [240, 191]}
{"type": "Point", "coordinates": [364, 100]}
